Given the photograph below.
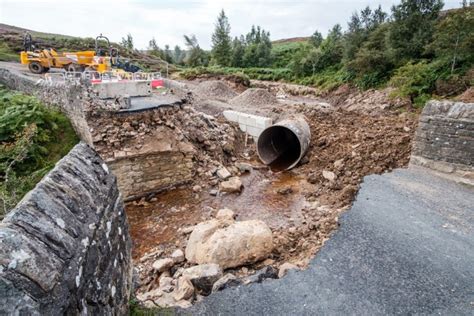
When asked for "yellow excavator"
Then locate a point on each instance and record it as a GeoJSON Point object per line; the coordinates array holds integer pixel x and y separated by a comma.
{"type": "Point", "coordinates": [42, 60]}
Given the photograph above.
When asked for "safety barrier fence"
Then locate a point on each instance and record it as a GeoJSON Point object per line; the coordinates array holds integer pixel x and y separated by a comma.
{"type": "Point", "coordinates": [95, 77]}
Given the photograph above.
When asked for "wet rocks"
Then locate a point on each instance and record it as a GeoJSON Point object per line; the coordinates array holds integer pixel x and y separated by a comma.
{"type": "Point", "coordinates": [203, 276]}
{"type": "Point", "coordinates": [231, 186]}
{"type": "Point", "coordinates": [229, 245]}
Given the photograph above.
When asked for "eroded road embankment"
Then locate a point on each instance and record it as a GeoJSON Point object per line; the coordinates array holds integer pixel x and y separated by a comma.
{"type": "Point", "coordinates": [405, 247]}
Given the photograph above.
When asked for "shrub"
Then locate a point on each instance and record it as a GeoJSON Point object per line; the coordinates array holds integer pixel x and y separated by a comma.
{"type": "Point", "coordinates": [415, 81]}
{"type": "Point", "coordinates": [32, 139]}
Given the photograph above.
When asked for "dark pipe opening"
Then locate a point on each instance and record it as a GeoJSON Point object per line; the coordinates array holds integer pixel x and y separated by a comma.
{"type": "Point", "coordinates": [278, 147]}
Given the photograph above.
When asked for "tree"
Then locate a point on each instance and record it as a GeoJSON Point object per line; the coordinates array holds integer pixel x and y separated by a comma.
{"type": "Point", "coordinates": [195, 56]}
{"type": "Point", "coordinates": [127, 42]}
{"type": "Point", "coordinates": [221, 41]}
{"type": "Point", "coordinates": [167, 54]}
{"type": "Point", "coordinates": [238, 51]}
{"type": "Point", "coordinates": [360, 28]}
{"type": "Point", "coordinates": [316, 39]}
{"type": "Point", "coordinates": [454, 37]}
{"type": "Point", "coordinates": [371, 65]}
{"type": "Point", "coordinates": [178, 55]}
{"type": "Point", "coordinates": [412, 28]}
{"type": "Point", "coordinates": [258, 50]}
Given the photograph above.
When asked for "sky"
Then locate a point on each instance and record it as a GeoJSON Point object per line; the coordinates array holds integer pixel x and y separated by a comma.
{"type": "Point", "coordinates": [167, 21]}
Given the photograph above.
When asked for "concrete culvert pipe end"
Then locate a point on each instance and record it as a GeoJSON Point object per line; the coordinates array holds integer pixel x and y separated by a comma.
{"type": "Point", "coordinates": [281, 146]}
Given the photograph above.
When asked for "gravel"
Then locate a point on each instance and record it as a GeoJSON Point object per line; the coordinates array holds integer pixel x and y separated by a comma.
{"type": "Point", "coordinates": [217, 90]}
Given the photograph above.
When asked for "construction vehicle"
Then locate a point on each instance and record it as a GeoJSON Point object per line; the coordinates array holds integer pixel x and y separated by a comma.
{"type": "Point", "coordinates": [100, 60]}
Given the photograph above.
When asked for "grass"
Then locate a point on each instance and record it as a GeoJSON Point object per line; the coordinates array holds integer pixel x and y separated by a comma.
{"type": "Point", "coordinates": [7, 53]}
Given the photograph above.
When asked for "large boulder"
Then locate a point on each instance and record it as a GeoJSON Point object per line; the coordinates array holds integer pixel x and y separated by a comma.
{"type": "Point", "coordinates": [229, 244]}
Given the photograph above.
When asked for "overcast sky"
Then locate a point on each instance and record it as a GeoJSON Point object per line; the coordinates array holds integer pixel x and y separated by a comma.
{"type": "Point", "coordinates": [167, 21]}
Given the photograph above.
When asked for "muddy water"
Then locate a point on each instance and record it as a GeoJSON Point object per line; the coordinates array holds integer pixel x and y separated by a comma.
{"type": "Point", "coordinates": [158, 222]}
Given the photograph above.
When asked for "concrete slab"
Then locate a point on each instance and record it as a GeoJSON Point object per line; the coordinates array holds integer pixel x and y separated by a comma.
{"type": "Point", "coordinates": [111, 90]}
{"type": "Point", "coordinates": [249, 123]}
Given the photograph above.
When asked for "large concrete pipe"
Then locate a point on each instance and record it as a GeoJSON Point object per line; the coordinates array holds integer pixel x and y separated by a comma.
{"type": "Point", "coordinates": [282, 145]}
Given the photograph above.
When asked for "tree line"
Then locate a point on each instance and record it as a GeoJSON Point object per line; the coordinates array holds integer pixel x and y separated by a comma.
{"type": "Point", "coordinates": [416, 43]}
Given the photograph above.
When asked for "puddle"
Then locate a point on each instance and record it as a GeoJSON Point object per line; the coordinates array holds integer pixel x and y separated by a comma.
{"type": "Point", "coordinates": [158, 222]}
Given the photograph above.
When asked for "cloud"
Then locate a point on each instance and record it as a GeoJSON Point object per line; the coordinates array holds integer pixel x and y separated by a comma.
{"type": "Point", "coordinates": [167, 21]}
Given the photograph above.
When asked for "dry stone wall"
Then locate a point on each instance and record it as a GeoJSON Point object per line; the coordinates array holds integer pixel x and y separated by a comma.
{"type": "Point", "coordinates": [65, 248]}
{"type": "Point", "coordinates": [444, 140]}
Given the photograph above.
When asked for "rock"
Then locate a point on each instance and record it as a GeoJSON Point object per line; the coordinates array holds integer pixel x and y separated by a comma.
{"type": "Point", "coordinates": [284, 269]}
{"type": "Point", "coordinates": [200, 233]}
{"type": "Point", "coordinates": [226, 281]}
{"type": "Point", "coordinates": [183, 304]}
{"type": "Point", "coordinates": [237, 244]}
{"type": "Point", "coordinates": [329, 175]}
{"type": "Point", "coordinates": [161, 265]}
{"type": "Point", "coordinates": [166, 300]}
{"type": "Point", "coordinates": [225, 214]}
{"type": "Point", "coordinates": [178, 273]}
{"type": "Point", "coordinates": [243, 167]}
{"type": "Point", "coordinates": [188, 230]}
{"type": "Point", "coordinates": [166, 284]}
{"type": "Point", "coordinates": [267, 272]}
{"type": "Point", "coordinates": [285, 191]}
{"type": "Point", "coordinates": [312, 178]}
{"type": "Point", "coordinates": [339, 163]}
{"type": "Point", "coordinates": [184, 290]}
{"type": "Point", "coordinates": [197, 188]}
{"type": "Point", "coordinates": [232, 185]}
{"type": "Point", "coordinates": [203, 276]}
{"type": "Point", "coordinates": [223, 173]}
{"type": "Point", "coordinates": [150, 295]}
{"type": "Point", "coordinates": [214, 192]}
{"type": "Point", "coordinates": [268, 262]}
{"type": "Point", "coordinates": [177, 256]}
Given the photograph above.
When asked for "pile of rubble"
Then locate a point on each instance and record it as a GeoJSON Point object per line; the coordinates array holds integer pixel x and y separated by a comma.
{"type": "Point", "coordinates": [214, 89]}
{"type": "Point", "coordinates": [254, 97]}
{"type": "Point", "coordinates": [372, 100]}
{"type": "Point", "coordinates": [215, 249]}
{"type": "Point", "coordinates": [212, 139]}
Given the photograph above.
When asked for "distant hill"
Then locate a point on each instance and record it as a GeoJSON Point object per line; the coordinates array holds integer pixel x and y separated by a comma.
{"type": "Point", "coordinates": [291, 40]}
{"type": "Point", "coordinates": [11, 44]}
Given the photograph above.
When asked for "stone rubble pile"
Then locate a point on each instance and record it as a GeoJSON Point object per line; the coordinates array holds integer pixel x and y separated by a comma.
{"type": "Point", "coordinates": [216, 254]}
{"type": "Point", "coordinates": [212, 140]}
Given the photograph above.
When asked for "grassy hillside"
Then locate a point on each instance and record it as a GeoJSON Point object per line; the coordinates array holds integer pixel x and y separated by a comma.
{"type": "Point", "coordinates": [11, 44]}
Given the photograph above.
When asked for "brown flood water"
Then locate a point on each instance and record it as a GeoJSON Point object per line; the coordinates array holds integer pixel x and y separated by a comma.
{"type": "Point", "coordinates": [157, 223]}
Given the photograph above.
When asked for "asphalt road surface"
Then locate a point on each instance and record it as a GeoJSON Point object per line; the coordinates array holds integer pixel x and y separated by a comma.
{"type": "Point", "coordinates": [405, 247]}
